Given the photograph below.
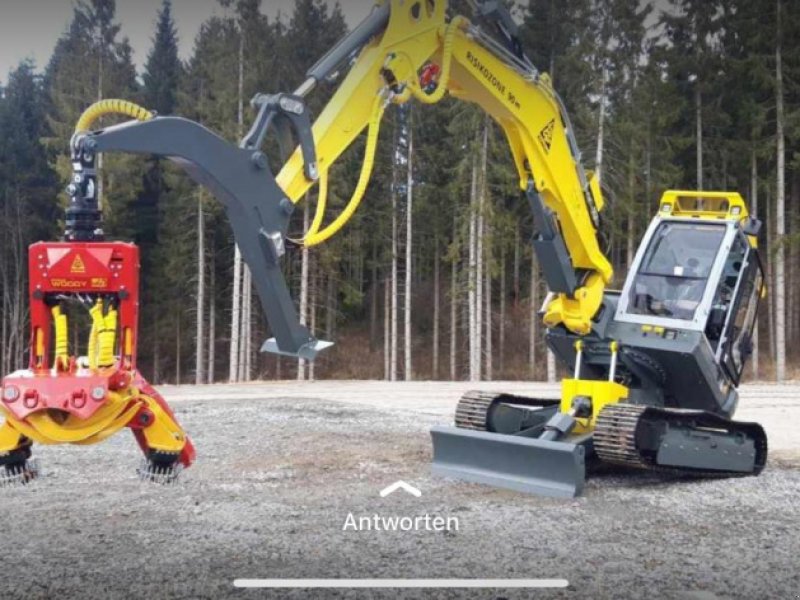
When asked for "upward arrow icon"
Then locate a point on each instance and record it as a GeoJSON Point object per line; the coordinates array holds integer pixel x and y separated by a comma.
{"type": "Point", "coordinates": [400, 485]}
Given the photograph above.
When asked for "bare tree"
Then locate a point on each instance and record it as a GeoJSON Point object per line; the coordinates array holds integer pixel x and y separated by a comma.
{"type": "Point", "coordinates": [454, 305]}
{"type": "Point", "coordinates": [393, 318]}
{"type": "Point", "coordinates": [698, 111]}
{"type": "Point", "coordinates": [436, 309]}
{"type": "Point", "coordinates": [479, 253]}
{"type": "Point", "coordinates": [473, 332]}
{"type": "Point", "coordinates": [488, 362]}
{"type": "Point", "coordinates": [245, 328]}
{"type": "Point", "coordinates": [212, 320]}
{"type": "Point", "coordinates": [551, 367]}
{"type": "Point", "coordinates": [387, 358]}
{"type": "Point", "coordinates": [236, 299]}
{"type": "Point", "coordinates": [533, 327]}
{"type": "Point", "coordinates": [407, 369]}
{"type": "Point", "coordinates": [313, 291]}
{"type": "Point", "coordinates": [598, 168]}
{"type": "Point", "coordinates": [301, 362]}
{"type": "Point", "coordinates": [201, 290]}
{"type": "Point", "coordinates": [503, 300]}
{"type": "Point", "coordinates": [754, 211]}
{"type": "Point", "coordinates": [780, 200]}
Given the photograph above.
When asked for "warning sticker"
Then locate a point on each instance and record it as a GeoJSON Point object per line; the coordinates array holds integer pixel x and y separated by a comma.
{"type": "Point", "coordinates": [77, 265]}
{"type": "Point", "coordinates": [546, 135]}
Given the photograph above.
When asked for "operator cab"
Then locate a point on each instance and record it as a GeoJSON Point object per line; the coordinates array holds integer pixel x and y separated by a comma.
{"type": "Point", "coordinates": [697, 270]}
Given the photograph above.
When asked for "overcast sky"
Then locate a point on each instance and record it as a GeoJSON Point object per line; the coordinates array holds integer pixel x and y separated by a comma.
{"type": "Point", "coordinates": [30, 28]}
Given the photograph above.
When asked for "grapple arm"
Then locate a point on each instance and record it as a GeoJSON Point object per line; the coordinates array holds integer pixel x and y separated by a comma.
{"type": "Point", "coordinates": [241, 180]}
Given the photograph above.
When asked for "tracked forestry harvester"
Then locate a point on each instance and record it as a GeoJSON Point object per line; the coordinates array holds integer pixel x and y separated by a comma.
{"type": "Point", "coordinates": [655, 366]}
{"type": "Point", "coordinates": [654, 383]}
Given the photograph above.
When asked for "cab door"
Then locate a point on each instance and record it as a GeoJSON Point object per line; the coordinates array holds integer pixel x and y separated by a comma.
{"type": "Point", "coordinates": [736, 341]}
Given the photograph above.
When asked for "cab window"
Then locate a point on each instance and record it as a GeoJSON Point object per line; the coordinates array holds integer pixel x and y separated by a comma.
{"type": "Point", "coordinates": [672, 276]}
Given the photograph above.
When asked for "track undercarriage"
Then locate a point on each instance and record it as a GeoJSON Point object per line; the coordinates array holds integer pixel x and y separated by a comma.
{"type": "Point", "coordinates": [502, 440]}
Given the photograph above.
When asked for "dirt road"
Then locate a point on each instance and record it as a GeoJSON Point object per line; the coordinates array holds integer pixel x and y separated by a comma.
{"type": "Point", "coordinates": [282, 465]}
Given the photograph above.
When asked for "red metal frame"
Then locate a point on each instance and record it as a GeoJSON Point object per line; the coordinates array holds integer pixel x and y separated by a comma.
{"type": "Point", "coordinates": [83, 268]}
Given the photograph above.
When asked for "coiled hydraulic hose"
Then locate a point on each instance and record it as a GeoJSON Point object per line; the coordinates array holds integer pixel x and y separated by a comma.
{"type": "Point", "coordinates": [314, 237]}
{"type": "Point", "coordinates": [447, 56]}
{"type": "Point", "coordinates": [111, 107]}
{"type": "Point", "coordinates": [96, 313]}
{"type": "Point", "coordinates": [62, 337]}
{"type": "Point", "coordinates": [106, 338]}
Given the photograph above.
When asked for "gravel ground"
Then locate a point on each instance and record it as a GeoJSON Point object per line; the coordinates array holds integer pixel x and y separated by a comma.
{"type": "Point", "coordinates": [280, 466]}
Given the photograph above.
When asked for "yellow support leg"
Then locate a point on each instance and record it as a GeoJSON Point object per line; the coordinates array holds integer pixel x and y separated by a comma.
{"type": "Point", "coordinates": [163, 434]}
{"type": "Point", "coordinates": [10, 439]}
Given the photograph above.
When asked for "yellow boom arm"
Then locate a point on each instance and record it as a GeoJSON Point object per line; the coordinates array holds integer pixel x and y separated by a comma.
{"type": "Point", "coordinates": [475, 69]}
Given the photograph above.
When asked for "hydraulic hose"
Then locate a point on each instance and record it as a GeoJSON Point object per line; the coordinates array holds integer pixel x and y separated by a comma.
{"type": "Point", "coordinates": [96, 313]}
{"type": "Point", "coordinates": [61, 337]}
{"type": "Point", "coordinates": [317, 237]}
{"type": "Point", "coordinates": [447, 59]}
{"type": "Point", "coordinates": [105, 338]}
{"type": "Point", "coordinates": [322, 199]}
{"type": "Point", "coordinates": [111, 107]}
{"type": "Point", "coordinates": [314, 236]}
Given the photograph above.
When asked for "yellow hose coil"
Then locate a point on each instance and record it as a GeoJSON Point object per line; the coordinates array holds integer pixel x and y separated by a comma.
{"type": "Point", "coordinates": [96, 313]}
{"type": "Point", "coordinates": [317, 237]}
{"type": "Point", "coordinates": [111, 107]}
{"type": "Point", "coordinates": [444, 79]}
{"type": "Point", "coordinates": [106, 338]}
{"type": "Point", "coordinates": [62, 336]}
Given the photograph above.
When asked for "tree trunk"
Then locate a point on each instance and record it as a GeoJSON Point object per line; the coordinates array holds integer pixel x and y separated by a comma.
{"type": "Point", "coordinates": [313, 291]}
{"type": "Point", "coordinates": [330, 306]}
{"type": "Point", "coordinates": [479, 251]}
{"type": "Point", "coordinates": [484, 260]}
{"type": "Point", "coordinates": [436, 309]}
{"type": "Point", "coordinates": [178, 350]}
{"type": "Point", "coordinates": [236, 300]}
{"type": "Point", "coordinates": [394, 316]}
{"type": "Point", "coordinates": [552, 371]}
{"type": "Point", "coordinates": [488, 325]}
{"type": "Point", "coordinates": [517, 255]}
{"type": "Point", "coordinates": [246, 337]}
{"type": "Point", "coordinates": [533, 327]}
{"type": "Point", "coordinates": [754, 212]}
{"type": "Point", "coordinates": [454, 305]}
{"type": "Point", "coordinates": [502, 324]}
{"type": "Point", "coordinates": [212, 321]}
{"type": "Point", "coordinates": [409, 247]}
{"type": "Point", "coordinates": [387, 353]}
{"type": "Point", "coordinates": [373, 302]}
{"type": "Point", "coordinates": [471, 291]}
{"type": "Point", "coordinates": [201, 290]}
{"type": "Point", "coordinates": [780, 223]}
{"type": "Point", "coordinates": [631, 233]}
{"type": "Point", "coordinates": [301, 363]}
{"type": "Point", "coordinates": [698, 111]}
{"type": "Point", "coordinates": [598, 168]}
{"type": "Point", "coordinates": [770, 277]}
{"type": "Point", "coordinates": [236, 315]}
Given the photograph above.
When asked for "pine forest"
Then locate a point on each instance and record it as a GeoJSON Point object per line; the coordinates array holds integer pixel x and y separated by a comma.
{"type": "Point", "coordinates": [434, 278]}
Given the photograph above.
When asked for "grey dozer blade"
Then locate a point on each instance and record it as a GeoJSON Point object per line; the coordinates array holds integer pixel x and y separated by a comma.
{"type": "Point", "coordinates": [514, 462]}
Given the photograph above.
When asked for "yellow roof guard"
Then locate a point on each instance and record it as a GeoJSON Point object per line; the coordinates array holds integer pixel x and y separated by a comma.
{"type": "Point", "coordinates": [703, 205]}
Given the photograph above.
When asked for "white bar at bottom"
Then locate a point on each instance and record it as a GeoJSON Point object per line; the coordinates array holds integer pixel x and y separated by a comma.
{"type": "Point", "coordinates": [400, 583]}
